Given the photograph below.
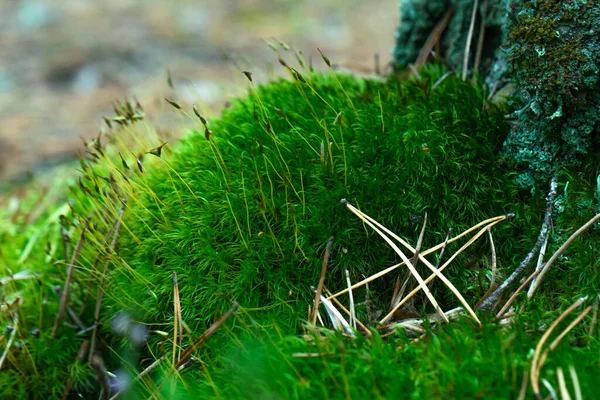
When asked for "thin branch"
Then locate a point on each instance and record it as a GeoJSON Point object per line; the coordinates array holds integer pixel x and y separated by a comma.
{"type": "Point", "coordinates": [207, 334]}
{"type": "Point", "coordinates": [433, 38]}
{"type": "Point", "coordinates": [480, 40]}
{"type": "Point", "coordinates": [490, 221]}
{"type": "Point", "coordinates": [319, 290]}
{"type": "Point", "coordinates": [559, 252]}
{"type": "Point", "coordinates": [469, 37]}
{"type": "Point", "coordinates": [535, 362]}
{"type": "Point", "coordinates": [514, 295]}
{"type": "Point", "coordinates": [145, 372]}
{"type": "Point", "coordinates": [489, 303]}
{"type": "Point", "coordinates": [113, 243]}
{"type": "Point", "coordinates": [352, 311]}
{"type": "Point", "coordinates": [64, 299]}
{"type": "Point", "coordinates": [11, 339]}
{"type": "Point", "coordinates": [403, 257]}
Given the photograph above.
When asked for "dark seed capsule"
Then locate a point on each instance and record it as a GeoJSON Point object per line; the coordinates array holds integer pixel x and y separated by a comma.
{"type": "Point", "coordinates": [280, 112]}
{"type": "Point", "coordinates": [325, 58]}
{"type": "Point", "coordinates": [123, 161]}
{"type": "Point", "coordinates": [157, 151]}
{"type": "Point", "coordinates": [200, 117]}
{"type": "Point", "coordinates": [171, 102]}
{"type": "Point", "coordinates": [298, 76]}
{"type": "Point", "coordinates": [107, 121]}
{"type": "Point", "coordinates": [169, 79]}
{"type": "Point", "coordinates": [140, 165]}
{"type": "Point", "coordinates": [207, 133]}
{"type": "Point", "coordinates": [248, 75]}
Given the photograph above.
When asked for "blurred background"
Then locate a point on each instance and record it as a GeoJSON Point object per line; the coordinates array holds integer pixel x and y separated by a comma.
{"type": "Point", "coordinates": [63, 64]}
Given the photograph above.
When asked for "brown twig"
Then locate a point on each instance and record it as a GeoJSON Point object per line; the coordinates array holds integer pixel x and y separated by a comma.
{"type": "Point", "coordinates": [405, 259]}
{"type": "Point", "coordinates": [145, 372]}
{"type": "Point", "coordinates": [514, 295]}
{"type": "Point", "coordinates": [480, 41]}
{"type": "Point", "coordinates": [113, 243]}
{"type": "Point", "coordinates": [490, 221]}
{"type": "Point", "coordinates": [102, 375]}
{"type": "Point", "coordinates": [207, 334]}
{"type": "Point", "coordinates": [559, 252]}
{"type": "Point", "coordinates": [489, 303]}
{"type": "Point", "coordinates": [64, 298]}
{"type": "Point", "coordinates": [11, 339]}
{"type": "Point", "coordinates": [537, 361]}
{"type": "Point", "coordinates": [177, 326]}
{"type": "Point", "coordinates": [313, 318]}
{"type": "Point", "coordinates": [433, 38]}
{"type": "Point", "coordinates": [469, 37]}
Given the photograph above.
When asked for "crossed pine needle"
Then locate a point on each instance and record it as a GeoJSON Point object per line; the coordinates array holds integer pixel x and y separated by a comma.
{"type": "Point", "coordinates": [387, 235]}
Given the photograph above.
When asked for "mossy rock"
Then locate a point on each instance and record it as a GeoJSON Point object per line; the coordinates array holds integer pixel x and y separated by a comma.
{"type": "Point", "coordinates": [244, 209]}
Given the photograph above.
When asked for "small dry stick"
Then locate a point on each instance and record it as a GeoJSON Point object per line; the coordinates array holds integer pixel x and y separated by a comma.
{"type": "Point", "coordinates": [535, 362]}
{"type": "Point", "coordinates": [594, 317]}
{"type": "Point", "coordinates": [439, 260]}
{"type": "Point", "coordinates": [417, 250]}
{"type": "Point", "coordinates": [64, 299]}
{"type": "Point", "coordinates": [352, 311]}
{"type": "Point", "coordinates": [207, 334]}
{"type": "Point", "coordinates": [113, 243]}
{"type": "Point", "coordinates": [568, 329]}
{"type": "Point", "coordinates": [102, 376]}
{"type": "Point", "coordinates": [514, 295]}
{"type": "Point", "coordinates": [576, 385]}
{"type": "Point", "coordinates": [552, 394]}
{"type": "Point", "coordinates": [491, 222]}
{"type": "Point", "coordinates": [344, 309]}
{"type": "Point", "coordinates": [402, 256]}
{"type": "Point", "coordinates": [562, 384]}
{"type": "Point", "coordinates": [489, 303]}
{"type": "Point", "coordinates": [177, 333]}
{"type": "Point", "coordinates": [559, 252]}
{"type": "Point", "coordinates": [434, 37]}
{"type": "Point", "coordinates": [469, 37]}
{"type": "Point", "coordinates": [313, 318]}
{"type": "Point", "coordinates": [494, 262]}
{"type": "Point", "coordinates": [524, 383]}
{"type": "Point", "coordinates": [480, 41]}
{"type": "Point", "coordinates": [11, 339]}
{"type": "Point", "coordinates": [540, 262]}
{"type": "Point", "coordinates": [145, 372]}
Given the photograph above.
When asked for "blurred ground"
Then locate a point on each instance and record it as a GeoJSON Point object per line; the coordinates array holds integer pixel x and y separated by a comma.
{"type": "Point", "coordinates": [64, 63]}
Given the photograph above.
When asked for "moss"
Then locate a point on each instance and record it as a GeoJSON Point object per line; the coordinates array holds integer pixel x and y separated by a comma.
{"type": "Point", "coordinates": [460, 360]}
{"type": "Point", "coordinates": [31, 266]}
{"type": "Point", "coordinates": [246, 214]}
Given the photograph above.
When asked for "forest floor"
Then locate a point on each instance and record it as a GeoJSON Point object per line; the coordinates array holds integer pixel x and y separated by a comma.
{"type": "Point", "coordinates": [64, 64]}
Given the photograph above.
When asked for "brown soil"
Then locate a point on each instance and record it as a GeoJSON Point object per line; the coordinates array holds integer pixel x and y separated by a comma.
{"type": "Point", "coordinates": [63, 64]}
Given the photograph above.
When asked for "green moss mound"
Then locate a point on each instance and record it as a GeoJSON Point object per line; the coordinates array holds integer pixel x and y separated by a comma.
{"type": "Point", "coordinates": [245, 208]}
{"type": "Point", "coordinates": [459, 360]}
